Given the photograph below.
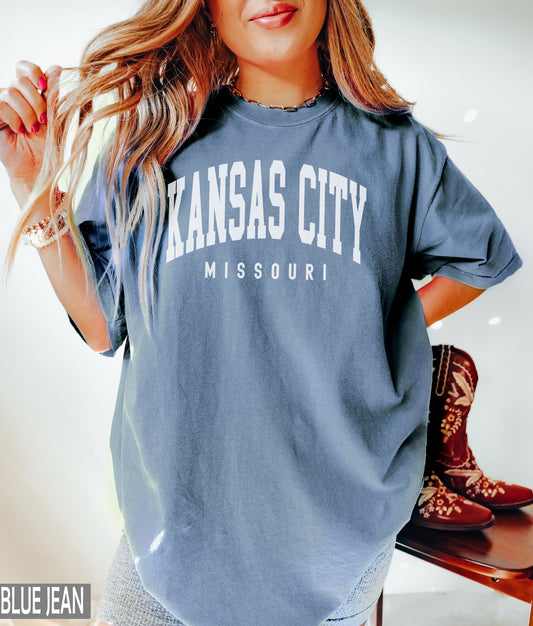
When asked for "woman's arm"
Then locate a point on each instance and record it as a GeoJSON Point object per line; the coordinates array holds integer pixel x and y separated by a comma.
{"type": "Point", "coordinates": [442, 296]}
{"type": "Point", "coordinates": [22, 138]}
{"type": "Point", "coordinates": [70, 282]}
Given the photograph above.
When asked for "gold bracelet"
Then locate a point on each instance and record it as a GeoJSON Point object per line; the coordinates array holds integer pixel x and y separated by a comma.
{"type": "Point", "coordinates": [49, 229]}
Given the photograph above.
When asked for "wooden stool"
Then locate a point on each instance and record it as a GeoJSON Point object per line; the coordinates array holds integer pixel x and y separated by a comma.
{"type": "Point", "coordinates": [500, 557]}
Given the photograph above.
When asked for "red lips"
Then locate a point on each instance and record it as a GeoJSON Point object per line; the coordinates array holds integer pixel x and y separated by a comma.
{"type": "Point", "coordinates": [274, 9]}
{"type": "Point", "coordinates": [275, 15]}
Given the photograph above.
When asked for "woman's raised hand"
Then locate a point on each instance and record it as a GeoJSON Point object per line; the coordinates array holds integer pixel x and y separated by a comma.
{"type": "Point", "coordinates": [23, 107]}
{"type": "Point", "coordinates": [23, 120]}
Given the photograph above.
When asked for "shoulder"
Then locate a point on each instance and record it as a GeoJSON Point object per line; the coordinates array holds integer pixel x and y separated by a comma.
{"type": "Point", "coordinates": [397, 135]}
{"type": "Point", "coordinates": [401, 123]}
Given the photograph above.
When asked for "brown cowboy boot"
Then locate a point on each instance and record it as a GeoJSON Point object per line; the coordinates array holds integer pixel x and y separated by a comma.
{"type": "Point", "coordinates": [442, 509]}
{"type": "Point", "coordinates": [454, 383]}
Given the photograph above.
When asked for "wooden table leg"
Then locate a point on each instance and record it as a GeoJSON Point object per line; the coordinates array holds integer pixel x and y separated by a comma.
{"type": "Point", "coordinates": [379, 611]}
{"type": "Point", "coordinates": [376, 619]}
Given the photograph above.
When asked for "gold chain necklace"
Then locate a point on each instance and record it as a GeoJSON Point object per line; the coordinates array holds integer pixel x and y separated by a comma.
{"type": "Point", "coordinates": [309, 102]}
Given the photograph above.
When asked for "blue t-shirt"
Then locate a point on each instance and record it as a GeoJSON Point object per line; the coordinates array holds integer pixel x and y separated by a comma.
{"type": "Point", "coordinates": [269, 433]}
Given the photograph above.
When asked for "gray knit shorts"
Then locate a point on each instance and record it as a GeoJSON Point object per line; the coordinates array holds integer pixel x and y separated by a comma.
{"type": "Point", "coordinates": [125, 602]}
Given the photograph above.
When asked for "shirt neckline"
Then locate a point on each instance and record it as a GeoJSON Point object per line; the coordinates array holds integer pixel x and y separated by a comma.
{"type": "Point", "coordinates": [277, 117]}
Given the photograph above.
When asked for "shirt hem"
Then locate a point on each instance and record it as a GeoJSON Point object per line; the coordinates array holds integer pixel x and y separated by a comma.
{"type": "Point", "coordinates": [479, 281]}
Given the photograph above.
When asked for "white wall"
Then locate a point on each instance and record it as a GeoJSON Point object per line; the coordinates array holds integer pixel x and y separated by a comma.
{"type": "Point", "coordinates": [59, 519]}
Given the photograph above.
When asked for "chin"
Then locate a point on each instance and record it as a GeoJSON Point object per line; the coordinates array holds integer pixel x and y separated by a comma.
{"type": "Point", "coordinates": [280, 53]}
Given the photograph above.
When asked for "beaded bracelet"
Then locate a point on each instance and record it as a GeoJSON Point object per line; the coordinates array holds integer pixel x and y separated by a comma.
{"type": "Point", "coordinates": [47, 230]}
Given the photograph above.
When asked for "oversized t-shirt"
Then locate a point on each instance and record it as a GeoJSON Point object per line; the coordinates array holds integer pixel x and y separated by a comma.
{"type": "Point", "coordinates": [269, 433]}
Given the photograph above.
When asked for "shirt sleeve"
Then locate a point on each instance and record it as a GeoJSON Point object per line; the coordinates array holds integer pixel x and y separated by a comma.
{"type": "Point", "coordinates": [89, 215]}
{"type": "Point", "coordinates": [457, 234]}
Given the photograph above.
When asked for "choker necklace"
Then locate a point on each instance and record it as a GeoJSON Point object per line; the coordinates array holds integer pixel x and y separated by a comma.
{"type": "Point", "coordinates": [306, 103]}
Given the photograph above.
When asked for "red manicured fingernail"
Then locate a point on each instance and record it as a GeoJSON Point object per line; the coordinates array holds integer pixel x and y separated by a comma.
{"type": "Point", "coordinates": [22, 129]}
{"type": "Point", "coordinates": [43, 119]}
{"type": "Point", "coordinates": [35, 128]}
{"type": "Point", "coordinates": [41, 83]}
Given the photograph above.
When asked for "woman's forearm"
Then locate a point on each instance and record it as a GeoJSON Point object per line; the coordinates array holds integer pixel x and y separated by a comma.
{"type": "Point", "coordinates": [73, 287]}
{"type": "Point", "coordinates": [442, 296]}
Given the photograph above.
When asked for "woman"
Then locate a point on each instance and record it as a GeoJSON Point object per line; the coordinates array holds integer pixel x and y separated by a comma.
{"type": "Point", "coordinates": [268, 439]}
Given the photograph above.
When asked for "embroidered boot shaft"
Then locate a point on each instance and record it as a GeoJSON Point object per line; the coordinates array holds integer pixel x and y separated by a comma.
{"type": "Point", "coordinates": [454, 383]}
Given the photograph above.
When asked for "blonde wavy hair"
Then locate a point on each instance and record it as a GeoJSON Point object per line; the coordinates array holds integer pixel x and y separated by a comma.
{"type": "Point", "coordinates": [151, 64]}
